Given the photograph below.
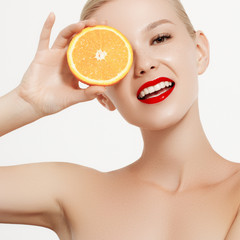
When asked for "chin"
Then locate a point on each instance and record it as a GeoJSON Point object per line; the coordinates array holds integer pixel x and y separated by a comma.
{"type": "Point", "coordinates": [157, 123]}
{"type": "Point", "coordinates": [163, 119]}
{"type": "Point", "coordinates": [161, 125]}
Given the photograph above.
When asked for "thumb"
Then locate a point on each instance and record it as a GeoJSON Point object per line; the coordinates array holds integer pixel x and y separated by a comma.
{"type": "Point", "coordinates": [83, 95]}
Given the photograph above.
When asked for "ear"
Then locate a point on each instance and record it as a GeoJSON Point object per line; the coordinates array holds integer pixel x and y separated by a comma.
{"type": "Point", "coordinates": [106, 102]}
{"type": "Point", "coordinates": [203, 54]}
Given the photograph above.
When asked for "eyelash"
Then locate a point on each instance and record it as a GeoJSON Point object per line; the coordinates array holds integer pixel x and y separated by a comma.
{"type": "Point", "coordinates": [162, 38]}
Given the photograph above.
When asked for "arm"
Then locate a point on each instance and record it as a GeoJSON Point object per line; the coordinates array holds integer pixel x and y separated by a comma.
{"type": "Point", "coordinates": [15, 112]}
{"type": "Point", "coordinates": [35, 194]}
{"type": "Point", "coordinates": [32, 193]}
{"type": "Point", "coordinates": [48, 86]}
{"type": "Point", "coordinates": [29, 194]}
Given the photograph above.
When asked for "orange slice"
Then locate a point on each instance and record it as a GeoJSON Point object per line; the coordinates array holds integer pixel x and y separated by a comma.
{"type": "Point", "coordinates": [100, 55]}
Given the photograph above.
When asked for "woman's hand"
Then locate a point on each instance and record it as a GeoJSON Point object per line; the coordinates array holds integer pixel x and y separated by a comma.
{"type": "Point", "coordinates": [48, 85]}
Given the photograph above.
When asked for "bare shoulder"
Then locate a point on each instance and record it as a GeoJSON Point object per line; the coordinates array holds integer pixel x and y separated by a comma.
{"type": "Point", "coordinates": [54, 172]}
{"type": "Point", "coordinates": [54, 177]}
{"type": "Point", "coordinates": [236, 173]}
{"type": "Point", "coordinates": [233, 173]}
{"type": "Point", "coordinates": [231, 184]}
{"type": "Point", "coordinates": [74, 176]}
{"type": "Point", "coordinates": [77, 180]}
{"type": "Point", "coordinates": [34, 193]}
{"type": "Point", "coordinates": [234, 230]}
{"type": "Point", "coordinates": [73, 169]}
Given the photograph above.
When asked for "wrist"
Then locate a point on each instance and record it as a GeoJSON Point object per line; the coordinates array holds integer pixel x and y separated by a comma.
{"type": "Point", "coordinates": [24, 102]}
{"type": "Point", "coordinates": [15, 112]}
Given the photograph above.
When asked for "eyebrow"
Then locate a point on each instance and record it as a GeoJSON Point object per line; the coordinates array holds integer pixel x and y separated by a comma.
{"type": "Point", "coordinates": [155, 24]}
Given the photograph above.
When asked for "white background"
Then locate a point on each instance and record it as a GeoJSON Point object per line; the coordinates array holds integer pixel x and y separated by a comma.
{"type": "Point", "coordinates": [88, 134]}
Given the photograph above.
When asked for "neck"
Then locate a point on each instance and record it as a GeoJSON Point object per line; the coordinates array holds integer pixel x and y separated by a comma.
{"type": "Point", "coordinates": [178, 157]}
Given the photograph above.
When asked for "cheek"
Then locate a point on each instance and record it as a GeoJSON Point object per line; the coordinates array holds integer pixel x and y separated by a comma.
{"type": "Point", "coordinates": [188, 70]}
{"type": "Point", "coordinates": [181, 60]}
{"type": "Point", "coordinates": [124, 100]}
{"type": "Point", "coordinates": [120, 97]}
{"type": "Point", "coordinates": [184, 64]}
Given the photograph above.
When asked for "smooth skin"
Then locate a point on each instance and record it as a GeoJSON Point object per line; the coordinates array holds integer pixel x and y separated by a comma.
{"type": "Point", "coordinates": [180, 188]}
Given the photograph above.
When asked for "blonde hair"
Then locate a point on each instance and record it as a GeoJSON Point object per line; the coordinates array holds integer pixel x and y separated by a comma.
{"type": "Point", "coordinates": [92, 6]}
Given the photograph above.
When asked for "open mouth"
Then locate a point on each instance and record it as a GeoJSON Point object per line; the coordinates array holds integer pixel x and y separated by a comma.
{"type": "Point", "coordinates": [155, 91]}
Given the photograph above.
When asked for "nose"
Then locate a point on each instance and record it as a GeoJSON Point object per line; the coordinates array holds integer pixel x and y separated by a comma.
{"type": "Point", "coordinates": [144, 63]}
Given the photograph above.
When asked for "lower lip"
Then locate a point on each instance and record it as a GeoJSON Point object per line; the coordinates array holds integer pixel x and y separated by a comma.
{"type": "Point", "coordinates": [159, 98]}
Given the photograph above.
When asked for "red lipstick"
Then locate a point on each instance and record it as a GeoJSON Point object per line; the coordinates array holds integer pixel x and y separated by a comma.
{"type": "Point", "coordinates": [159, 98]}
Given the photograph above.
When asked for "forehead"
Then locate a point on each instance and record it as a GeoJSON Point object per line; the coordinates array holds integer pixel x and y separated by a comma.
{"type": "Point", "coordinates": [134, 15]}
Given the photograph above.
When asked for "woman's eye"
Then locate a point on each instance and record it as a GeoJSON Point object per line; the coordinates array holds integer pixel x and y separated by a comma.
{"type": "Point", "coordinates": [161, 39]}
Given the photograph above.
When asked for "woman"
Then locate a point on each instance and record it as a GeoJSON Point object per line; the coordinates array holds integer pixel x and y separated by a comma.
{"type": "Point", "coordinates": [180, 188]}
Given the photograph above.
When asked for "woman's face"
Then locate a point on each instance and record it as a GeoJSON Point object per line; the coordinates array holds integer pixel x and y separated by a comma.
{"type": "Point", "coordinates": [162, 47]}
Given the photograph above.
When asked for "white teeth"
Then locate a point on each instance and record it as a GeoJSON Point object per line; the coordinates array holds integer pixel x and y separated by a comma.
{"type": "Point", "coordinates": [154, 88]}
{"type": "Point", "coordinates": [167, 84]}
{"type": "Point", "coordinates": [142, 94]}
{"type": "Point", "coordinates": [162, 84]}
{"type": "Point", "coordinates": [157, 87]}
{"type": "Point", "coordinates": [151, 89]}
{"type": "Point", "coordinates": [146, 91]}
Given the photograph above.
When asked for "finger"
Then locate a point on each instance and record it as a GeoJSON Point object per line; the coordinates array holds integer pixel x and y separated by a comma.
{"type": "Point", "coordinates": [104, 22]}
{"type": "Point", "coordinates": [83, 95]}
{"type": "Point", "coordinates": [66, 34]}
{"type": "Point", "coordinates": [46, 32]}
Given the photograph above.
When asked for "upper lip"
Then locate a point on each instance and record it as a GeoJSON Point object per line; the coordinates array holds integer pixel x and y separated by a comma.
{"type": "Point", "coordinates": [152, 83]}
